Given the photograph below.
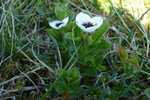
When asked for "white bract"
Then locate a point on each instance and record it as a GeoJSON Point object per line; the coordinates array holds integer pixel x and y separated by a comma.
{"type": "Point", "coordinates": [88, 24]}
{"type": "Point", "coordinates": [59, 24]}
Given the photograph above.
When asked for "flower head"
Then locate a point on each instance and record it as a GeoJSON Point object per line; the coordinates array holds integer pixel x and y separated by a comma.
{"type": "Point", "coordinates": [59, 24]}
{"type": "Point", "coordinates": [88, 24]}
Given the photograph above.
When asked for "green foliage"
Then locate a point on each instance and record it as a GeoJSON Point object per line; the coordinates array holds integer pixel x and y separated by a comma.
{"type": "Point", "coordinates": [91, 47]}
{"type": "Point", "coordinates": [57, 35]}
{"type": "Point", "coordinates": [116, 91]}
{"type": "Point", "coordinates": [70, 81]}
{"type": "Point", "coordinates": [100, 31]}
{"type": "Point", "coordinates": [60, 12]}
{"type": "Point", "coordinates": [69, 36]}
{"type": "Point", "coordinates": [122, 53]}
{"type": "Point", "coordinates": [90, 71]}
{"type": "Point", "coordinates": [69, 27]}
{"type": "Point", "coordinates": [95, 93]}
{"type": "Point", "coordinates": [130, 63]}
{"type": "Point", "coordinates": [77, 93]}
{"type": "Point", "coordinates": [99, 59]}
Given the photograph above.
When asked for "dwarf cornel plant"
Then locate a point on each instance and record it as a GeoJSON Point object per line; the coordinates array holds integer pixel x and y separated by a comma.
{"type": "Point", "coordinates": [86, 33]}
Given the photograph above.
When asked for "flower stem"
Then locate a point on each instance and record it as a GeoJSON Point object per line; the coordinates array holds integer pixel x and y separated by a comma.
{"type": "Point", "coordinates": [62, 36]}
{"type": "Point", "coordinates": [63, 40]}
{"type": "Point", "coordinates": [83, 51]}
{"type": "Point", "coordinates": [83, 59]}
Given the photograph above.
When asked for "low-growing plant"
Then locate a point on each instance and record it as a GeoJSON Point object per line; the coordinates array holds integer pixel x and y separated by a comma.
{"type": "Point", "coordinates": [86, 32]}
{"type": "Point", "coordinates": [69, 83]}
{"type": "Point", "coordinates": [129, 62]}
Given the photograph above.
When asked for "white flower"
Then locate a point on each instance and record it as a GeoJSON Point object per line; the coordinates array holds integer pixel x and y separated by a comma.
{"type": "Point", "coordinates": [88, 24]}
{"type": "Point", "coordinates": [59, 24]}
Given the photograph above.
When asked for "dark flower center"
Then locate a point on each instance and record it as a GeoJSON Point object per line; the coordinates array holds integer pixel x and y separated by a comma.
{"type": "Point", "coordinates": [58, 24]}
{"type": "Point", "coordinates": [87, 24]}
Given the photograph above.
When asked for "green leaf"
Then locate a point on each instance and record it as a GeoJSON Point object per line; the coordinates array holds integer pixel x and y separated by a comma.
{"type": "Point", "coordinates": [68, 35]}
{"type": "Point", "coordinates": [76, 93]}
{"type": "Point", "coordinates": [90, 71]}
{"type": "Point", "coordinates": [55, 34]}
{"type": "Point", "coordinates": [122, 53]}
{"type": "Point", "coordinates": [147, 92]}
{"type": "Point", "coordinates": [89, 40]}
{"type": "Point", "coordinates": [99, 59]}
{"type": "Point", "coordinates": [103, 80]}
{"type": "Point", "coordinates": [89, 59]}
{"type": "Point", "coordinates": [50, 19]}
{"type": "Point", "coordinates": [68, 27]}
{"type": "Point", "coordinates": [74, 72]}
{"type": "Point", "coordinates": [69, 79]}
{"type": "Point", "coordinates": [62, 15]}
{"type": "Point", "coordinates": [100, 67]}
{"type": "Point", "coordinates": [133, 60]}
{"type": "Point", "coordinates": [104, 45]}
{"type": "Point", "coordinates": [134, 54]}
{"type": "Point", "coordinates": [122, 83]}
{"type": "Point", "coordinates": [78, 32]}
{"type": "Point", "coordinates": [93, 51]}
{"type": "Point", "coordinates": [119, 95]}
{"type": "Point", "coordinates": [64, 74]}
{"type": "Point", "coordinates": [60, 12]}
{"type": "Point", "coordinates": [75, 84]}
{"type": "Point", "coordinates": [60, 86]}
{"type": "Point", "coordinates": [100, 31]}
{"type": "Point", "coordinates": [77, 40]}
{"type": "Point", "coordinates": [79, 77]}
{"type": "Point", "coordinates": [97, 47]}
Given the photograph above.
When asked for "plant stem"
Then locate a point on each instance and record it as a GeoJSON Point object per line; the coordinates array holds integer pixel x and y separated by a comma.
{"type": "Point", "coordinates": [63, 40]}
{"type": "Point", "coordinates": [83, 50]}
